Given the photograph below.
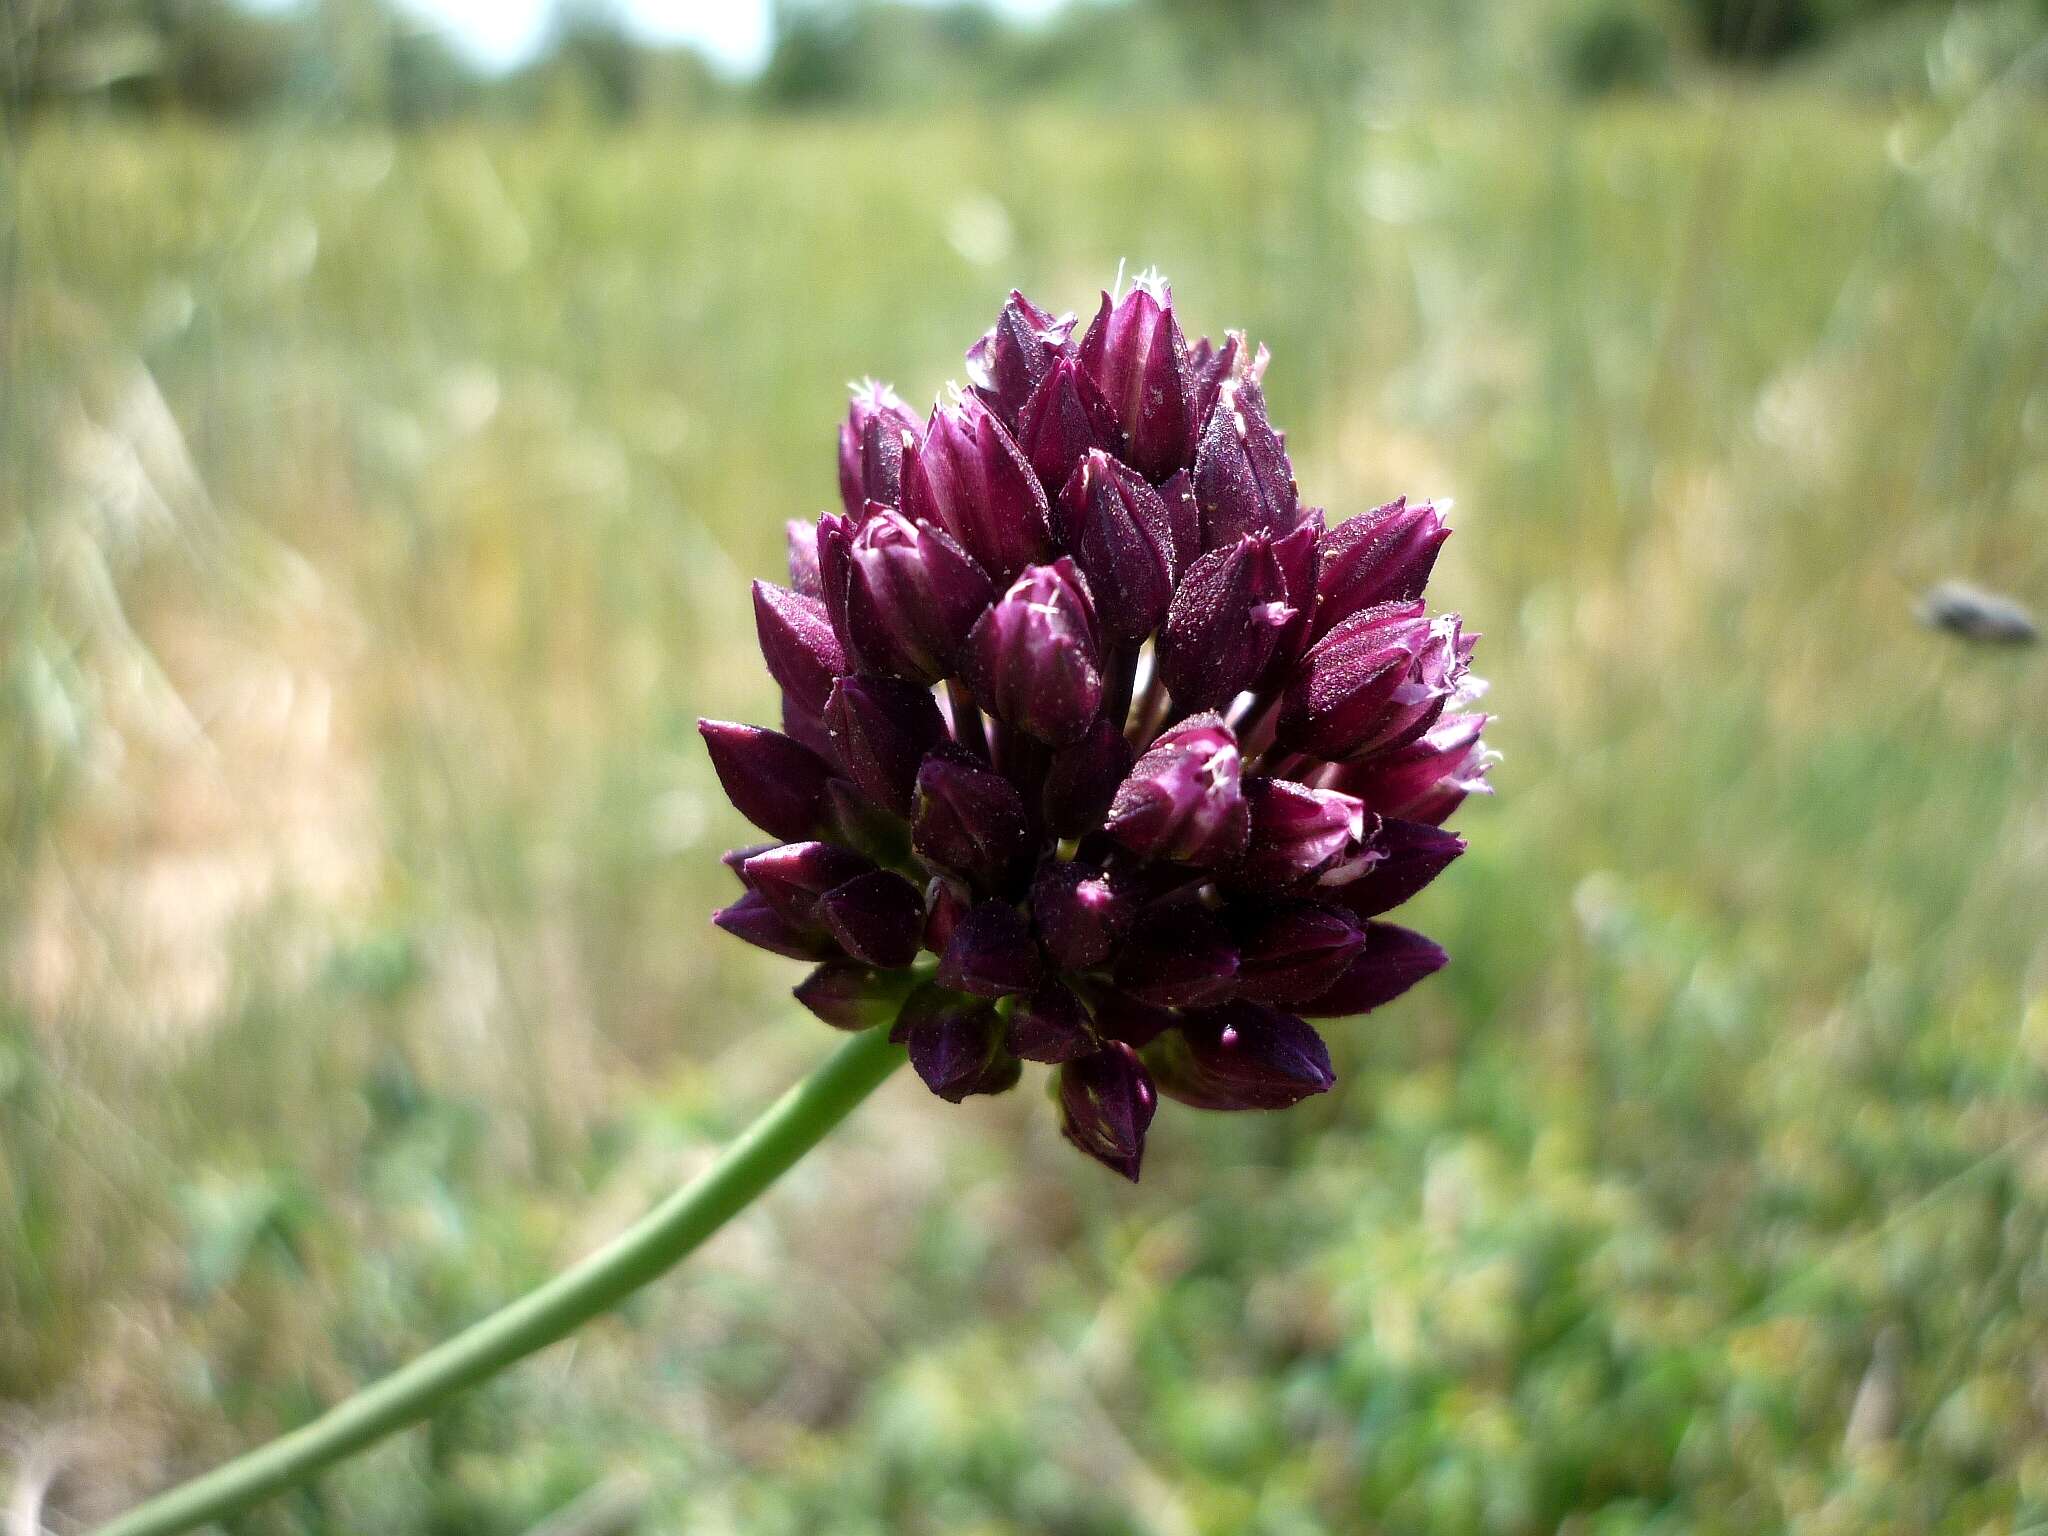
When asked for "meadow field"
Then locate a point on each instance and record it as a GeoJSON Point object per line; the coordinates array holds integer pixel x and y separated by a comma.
{"type": "Point", "coordinates": [380, 511]}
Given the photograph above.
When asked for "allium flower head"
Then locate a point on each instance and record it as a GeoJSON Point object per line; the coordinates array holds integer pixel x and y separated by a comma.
{"type": "Point", "coordinates": [1099, 749]}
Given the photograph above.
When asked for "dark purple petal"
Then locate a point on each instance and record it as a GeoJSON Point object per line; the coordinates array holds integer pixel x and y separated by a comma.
{"type": "Point", "coordinates": [970, 820]}
{"type": "Point", "coordinates": [1008, 363]}
{"type": "Point", "coordinates": [1293, 951]}
{"type": "Point", "coordinates": [753, 919]}
{"type": "Point", "coordinates": [881, 730]}
{"type": "Point", "coordinates": [1241, 1056]}
{"type": "Point", "coordinates": [912, 594]}
{"type": "Point", "coordinates": [797, 641]}
{"type": "Point", "coordinates": [1409, 854]}
{"type": "Point", "coordinates": [1428, 778]}
{"type": "Point", "coordinates": [794, 876]}
{"type": "Point", "coordinates": [1393, 960]}
{"type": "Point", "coordinates": [1183, 519]}
{"type": "Point", "coordinates": [1122, 537]}
{"type": "Point", "coordinates": [851, 996]}
{"type": "Point", "coordinates": [1297, 833]}
{"type": "Point", "coordinates": [1182, 800]}
{"type": "Point", "coordinates": [1065, 417]}
{"type": "Point", "coordinates": [956, 1043]}
{"type": "Point", "coordinates": [1106, 1102]}
{"type": "Point", "coordinates": [1137, 356]}
{"type": "Point", "coordinates": [1382, 556]}
{"type": "Point", "coordinates": [1243, 482]}
{"type": "Point", "coordinates": [871, 443]}
{"type": "Point", "coordinates": [1051, 1025]}
{"type": "Point", "coordinates": [991, 953]}
{"type": "Point", "coordinates": [1178, 957]}
{"type": "Point", "coordinates": [877, 917]}
{"type": "Point", "coordinates": [776, 783]}
{"type": "Point", "coordinates": [1079, 914]}
{"type": "Point", "coordinates": [1031, 658]}
{"type": "Point", "coordinates": [1083, 779]}
{"type": "Point", "coordinates": [970, 478]}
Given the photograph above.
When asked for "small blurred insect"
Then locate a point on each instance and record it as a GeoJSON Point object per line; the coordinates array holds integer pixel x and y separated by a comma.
{"type": "Point", "coordinates": [1989, 618]}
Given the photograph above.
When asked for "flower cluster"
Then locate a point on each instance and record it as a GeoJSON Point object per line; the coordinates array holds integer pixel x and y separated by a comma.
{"type": "Point", "coordinates": [1080, 699]}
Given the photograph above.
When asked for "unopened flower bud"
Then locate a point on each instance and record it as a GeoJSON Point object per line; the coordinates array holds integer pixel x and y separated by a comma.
{"type": "Point", "coordinates": [1382, 556]}
{"type": "Point", "coordinates": [1241, 1056]}
{"type": "Point", "coordinates": [1137, 356]}
{"type": "Point", "coordinates": [1106, 1103]}
{"type": "Point", "coordinates": [1031, 658]}
{"type": "Point", "coordinates": [776, 783]}
{"type": "Point", "coordinates": [1182, 801]}
{"type": "Point", "coordinates": [1119, 530]}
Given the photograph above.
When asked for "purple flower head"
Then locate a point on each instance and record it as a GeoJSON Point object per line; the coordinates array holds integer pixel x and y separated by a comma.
{"type": "Point", "coordinates": [1097, 750]}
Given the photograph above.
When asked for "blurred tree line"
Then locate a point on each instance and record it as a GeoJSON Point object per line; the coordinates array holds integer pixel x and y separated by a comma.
{"type": "Point", "coordinates": [366, 59]}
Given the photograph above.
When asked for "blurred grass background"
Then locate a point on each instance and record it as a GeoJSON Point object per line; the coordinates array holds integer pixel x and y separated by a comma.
{"type": "Point", "coordinates": [379, 511]}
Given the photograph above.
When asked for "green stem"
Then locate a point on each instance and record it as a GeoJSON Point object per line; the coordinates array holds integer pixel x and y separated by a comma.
{"type": "Point", "coordinates": [796, 1123]}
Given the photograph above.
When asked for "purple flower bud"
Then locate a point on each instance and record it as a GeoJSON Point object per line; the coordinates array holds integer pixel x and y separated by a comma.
{"type": "Point", "coordinates": [803, 557]}
{"type": "Point", "coordinates": [1393, 960]}
{"type": "Point", "coordinates": [1243, 482]}
{"type": "Point", "coordinates": [871, 447]}
{"type": "Point", "coordinates": [877, 917]}
{"type": "Point", "coordinates": [798, 643]}
{"type": "Point", "coordinates": [1182, 800]}
{"type": "Point", "coordinates": [793, 876]}
{"type": "Point", "coordinates": [1079, 914]}
{"type": "Point", "coordinates": [851, 996]}
{"type": "Point", "coordinates": [1031, 658]}
{"type": "Point", "coordinates": [912, 594]}
{"type": "Point", "coordinates": [1178, 957]}
{"type": "Point", "coordinates": [1295, 951]}
{"type": "Point", "coordinates": [755, 920]}
{"type": "Point", "coordinates": [1083, 779]}
{"type": "Point", "coordinates": [1106, 1102]}
{"type": "Point", "coordinates": [1065, 417]}
{"type": "Point", "coordinates": [1428, 778]}
{"type": "Point", "coordinates": [1051, 1025]}
{"type": "Point", "coordinates": [1296, 833]}
{"type": "Point", "coordinates": [1242, 1056]}
{"type": "Point", "coordinates": [1209, 366]}
{"type": "Point", "coordinates": [881, 730]}
{"type": "Point", "coordinates": [1410, 854]}
{"type": "Point", "coordinates": [1378, 680]}
{"type": "Point", "coordinates": [735, 859]}
{"type": "Point", "coordinates": [970, 820]}
{"type": "Point", "coordinates": [1008, 363]}
{"type": "Point", "coordinates": [776, 783]}
{"type": "Point", "coordinates": [1229, 622]}
{"type": "Point", "coordinates": [1382, 556]}
{"type": "Point", "coordinates": [1122, 538]}
{"type": "Point", "coordinates": [1138, 358]}
{"type": "Point", "coordinates": [956, 1043]}
{"type": "Point", "coordinates": [991, 953]}
{"type": "Point", "coordinates": [970, 478]}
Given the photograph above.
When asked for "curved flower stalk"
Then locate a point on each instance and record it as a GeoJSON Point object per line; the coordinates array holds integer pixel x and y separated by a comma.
{"type": "Point", "coordinates": [1082, 701]}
